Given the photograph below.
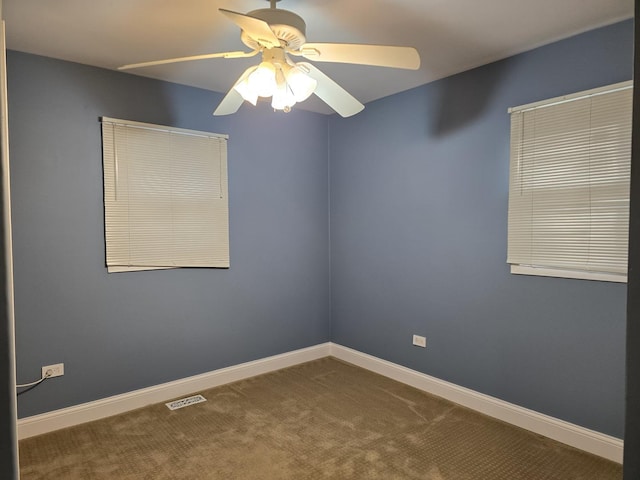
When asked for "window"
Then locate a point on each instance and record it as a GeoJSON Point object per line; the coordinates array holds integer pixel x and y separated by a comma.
{"type": "Point", "coordinates": [165, 197]}
{"type": "Point", "coordinates": [569, 185]}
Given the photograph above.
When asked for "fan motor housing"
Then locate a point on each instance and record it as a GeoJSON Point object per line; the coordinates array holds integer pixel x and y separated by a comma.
{"type": "Point", "coordinates": [288, 27]}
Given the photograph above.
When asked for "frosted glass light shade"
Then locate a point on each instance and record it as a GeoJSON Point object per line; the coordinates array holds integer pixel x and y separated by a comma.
{"type": "Point", "coordinates": [302, 85]}
{"type": "Point", "coordinates": [283, 98]}
{"type": "Point", "coordinates": [263, 80]}
{"type": "Point", "coordinates": [244, 89]}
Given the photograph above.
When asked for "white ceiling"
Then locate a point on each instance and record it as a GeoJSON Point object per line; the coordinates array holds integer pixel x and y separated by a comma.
{"type": "Point", "coordinates": [450, 35]}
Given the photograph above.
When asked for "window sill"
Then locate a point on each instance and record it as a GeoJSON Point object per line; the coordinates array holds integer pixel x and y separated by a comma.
{"type": "Point", "coordinates": [581, 275]}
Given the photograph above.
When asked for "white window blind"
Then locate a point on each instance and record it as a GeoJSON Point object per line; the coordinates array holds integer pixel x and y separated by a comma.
{"type": "Point", "coordinates": [165, 197]}
{"type": "Point", "coordinates": [569, 185]}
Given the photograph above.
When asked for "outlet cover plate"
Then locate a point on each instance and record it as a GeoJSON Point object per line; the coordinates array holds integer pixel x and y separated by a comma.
{"type": "Point", "coordinates": [57, 370]}
{"type": "Point", "coordinates": [420, 341]}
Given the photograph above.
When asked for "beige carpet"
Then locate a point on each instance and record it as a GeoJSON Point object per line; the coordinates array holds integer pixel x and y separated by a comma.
{"type": "Point", "coordinates": [320, 420]}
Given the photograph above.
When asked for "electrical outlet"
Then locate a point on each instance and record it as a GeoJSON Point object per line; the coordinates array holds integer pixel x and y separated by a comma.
{"type": "Point", "coordinates": [56, 370]}
{"type": "Point", "coordinates": [419, 341]}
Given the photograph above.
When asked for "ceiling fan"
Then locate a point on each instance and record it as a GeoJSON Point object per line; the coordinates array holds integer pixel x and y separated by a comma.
{"type": "Point", "coordinates": [279, 35]}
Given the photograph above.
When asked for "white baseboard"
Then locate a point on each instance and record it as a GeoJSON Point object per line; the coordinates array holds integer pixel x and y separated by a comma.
{"type": "Point", "coordinates": [568, 433]}
{"type": "Point", "coordinates": [579, 437]}
{"type": "Point", "coordinates": [86, 412]}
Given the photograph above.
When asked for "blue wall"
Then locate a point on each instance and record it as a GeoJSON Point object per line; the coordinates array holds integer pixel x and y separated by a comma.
{"type": "Point", "coordinates": [419, 195]}
{"type": "Point", "coordinates": [119, 332]}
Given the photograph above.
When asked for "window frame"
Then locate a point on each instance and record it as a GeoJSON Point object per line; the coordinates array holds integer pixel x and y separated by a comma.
{"type": "Point", "coordinates": [172, 207]}
{"type": "Point", "coordinates": [551, 270]}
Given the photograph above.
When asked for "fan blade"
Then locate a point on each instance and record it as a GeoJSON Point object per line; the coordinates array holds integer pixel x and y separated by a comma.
{"type": "Point", "coordinates": [257, 29]}
{"type": "Point", "coordinates": [188, 59]}
{"type": "Point", "coordinates": [331, 93]}
{"type": "Point", "coordinates": [229, 104]}
{"type": "Point", "coordinates": [378, 55]}
{"type": "Point", "coordinates": [232, 100]}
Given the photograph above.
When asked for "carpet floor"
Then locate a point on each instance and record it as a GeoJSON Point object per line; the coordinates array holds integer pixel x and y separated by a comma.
{"type": "Point", "coordinates": [319, 420]}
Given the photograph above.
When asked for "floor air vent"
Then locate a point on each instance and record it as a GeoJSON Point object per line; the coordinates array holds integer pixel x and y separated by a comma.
{"type": "Point", "coordinates": [185, 402]}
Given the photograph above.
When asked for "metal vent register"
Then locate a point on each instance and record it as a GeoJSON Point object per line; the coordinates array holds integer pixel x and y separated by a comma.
{"type": "Point", "coordinates": [185, 402]}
